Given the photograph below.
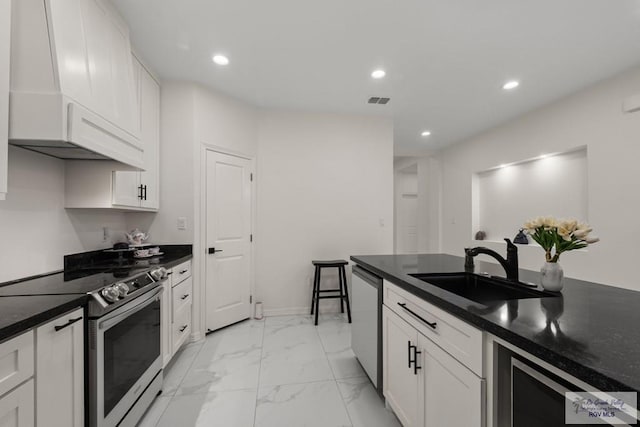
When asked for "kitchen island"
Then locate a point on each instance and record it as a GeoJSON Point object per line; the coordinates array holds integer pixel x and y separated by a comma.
{"type": "Point", "coordinates": [589, 331]}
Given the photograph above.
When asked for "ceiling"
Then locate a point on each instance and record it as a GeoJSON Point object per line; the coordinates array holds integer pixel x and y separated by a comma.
{"type": "Point", "coordinates": [446, 60]}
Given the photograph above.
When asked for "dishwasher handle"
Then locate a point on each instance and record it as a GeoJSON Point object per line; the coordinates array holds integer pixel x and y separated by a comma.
{"type": "Point", "coordinates": [368, 277]}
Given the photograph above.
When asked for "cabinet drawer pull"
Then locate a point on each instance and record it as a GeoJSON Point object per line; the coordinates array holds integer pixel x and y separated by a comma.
{"type": "Point", "coordinates": [69, 323]}
{"type": "Point", "coordinates": [183, 271]}
{"type": "Point", "coordinates": [185, 296]}
{"type": "Point", "coordinates": [183, 328]}
{"type": "Point", "coordinates": [432, 325]}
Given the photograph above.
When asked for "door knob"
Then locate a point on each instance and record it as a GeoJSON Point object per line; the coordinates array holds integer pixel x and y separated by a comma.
{"type": "Point", "coordinates": [214, 250]}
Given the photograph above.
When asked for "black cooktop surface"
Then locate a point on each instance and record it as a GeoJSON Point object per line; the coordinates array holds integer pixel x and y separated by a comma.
{"type": "Point", "coordinates": [81, 281]}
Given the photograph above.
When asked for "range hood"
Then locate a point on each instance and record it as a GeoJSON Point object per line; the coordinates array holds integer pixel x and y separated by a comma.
{"type": "Point", "coordinates": [72, 86]}
{"type": "Point", "coordinates": [59, 149]}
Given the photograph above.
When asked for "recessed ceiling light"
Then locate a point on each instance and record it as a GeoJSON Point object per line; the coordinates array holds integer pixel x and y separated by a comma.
{"type": "Point", "coordinates": [378, 74]}
{"type": "Point", "coordinates": [512, 84]}
{"type": "Point", "coordinates": [426, 133]}
{"type": "Point", "coordinates": [220, 59]}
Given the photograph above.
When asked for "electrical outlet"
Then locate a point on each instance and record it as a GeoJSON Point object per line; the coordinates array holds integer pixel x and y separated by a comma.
{"type": "Point", "coordinates": [182, 223]}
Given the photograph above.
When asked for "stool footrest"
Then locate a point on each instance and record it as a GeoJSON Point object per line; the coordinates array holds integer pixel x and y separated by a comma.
{"type": "Point", "coordinates": [332, 296]}
{"type": "Point", "coordinates": [329, 290]}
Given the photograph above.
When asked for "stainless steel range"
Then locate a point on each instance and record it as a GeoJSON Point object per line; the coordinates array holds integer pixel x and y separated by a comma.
{"type": "Point", "coordinates": [125, 366]}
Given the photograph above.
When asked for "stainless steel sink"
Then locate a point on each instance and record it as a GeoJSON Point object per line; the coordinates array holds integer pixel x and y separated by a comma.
{"type": "Point", "coordinates": [481, 289]}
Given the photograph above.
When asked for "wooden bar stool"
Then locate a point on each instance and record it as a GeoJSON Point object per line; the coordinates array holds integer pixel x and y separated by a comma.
{"type": "Point", "coordinates": [342, 292]}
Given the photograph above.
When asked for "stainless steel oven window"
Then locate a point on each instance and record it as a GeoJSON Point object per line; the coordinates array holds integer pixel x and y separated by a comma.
{"type": "Point", "coordinates": [125, 358]}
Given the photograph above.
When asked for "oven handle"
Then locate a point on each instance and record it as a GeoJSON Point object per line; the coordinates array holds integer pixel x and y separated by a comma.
{"type": "Point", "coordinates": [108, 322]}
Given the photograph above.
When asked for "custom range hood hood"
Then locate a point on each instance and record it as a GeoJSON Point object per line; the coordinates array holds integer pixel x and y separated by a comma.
{"type": "Point", "coordinates": [73, 94]}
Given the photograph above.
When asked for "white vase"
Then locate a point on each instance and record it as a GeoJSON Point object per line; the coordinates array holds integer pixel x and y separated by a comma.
{"type": "Point", "coordinates": [552, 276]}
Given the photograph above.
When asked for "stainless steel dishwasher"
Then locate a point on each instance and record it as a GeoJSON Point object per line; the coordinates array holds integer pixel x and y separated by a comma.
{"type": "Point", "coordinates": [366, 327]}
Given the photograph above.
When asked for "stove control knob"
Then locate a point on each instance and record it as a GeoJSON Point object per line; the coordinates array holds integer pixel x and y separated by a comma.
{"type": "Point", "coordinates": [111, 294]}
{"type": "Point", "coordinates": [122, 289]}
{"type": "Point", "coordinates": [159, 273]}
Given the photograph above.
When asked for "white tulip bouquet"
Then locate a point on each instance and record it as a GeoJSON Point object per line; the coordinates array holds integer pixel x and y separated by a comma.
{"type": "Point", "coordinates": [564, 235]}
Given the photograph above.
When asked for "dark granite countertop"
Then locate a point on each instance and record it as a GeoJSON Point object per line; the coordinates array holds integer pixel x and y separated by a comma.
{"type": "Point", "coordinates": [28, 302]}
{"type": "Point", "coordinates": [591, 331]}
{"type": "Point", "coordinates": [21, 313]}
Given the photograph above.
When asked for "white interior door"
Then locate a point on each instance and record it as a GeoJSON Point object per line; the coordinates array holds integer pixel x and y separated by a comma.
{"type": "Point", "coordinates": [408, 224]}
{"type": "Point", "coordinates": [228, 232]}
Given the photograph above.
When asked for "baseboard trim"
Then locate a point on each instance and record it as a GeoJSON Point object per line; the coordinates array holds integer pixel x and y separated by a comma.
{"type": "Point", "coordinates": [291, 311]}
{"type": "Point", "coordinates": [329, 308]}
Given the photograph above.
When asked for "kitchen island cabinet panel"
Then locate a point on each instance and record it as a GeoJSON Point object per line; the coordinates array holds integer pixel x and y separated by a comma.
{"type": "Point", "coordinates": [401, 384]}
{"type": "Point", "coordinates": [16, 407]}
{"type": "Point", "coordinates": [453, 395]}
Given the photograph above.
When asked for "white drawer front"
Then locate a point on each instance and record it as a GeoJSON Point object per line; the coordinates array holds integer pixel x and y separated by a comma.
{"type": "Point", "coordinates": [181, 327]}
{"type": "Point", "coordinates": [457, 337]}
{"type": "Point", "coordinates": [182, 295]}
{"type": "Point", "coordinates": [180, 272]}
{"type": "Point", "coordinates": [16, 361]}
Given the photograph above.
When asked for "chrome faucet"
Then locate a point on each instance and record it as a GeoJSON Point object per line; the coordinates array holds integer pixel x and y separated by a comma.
{"type": "Point", "coordinates": [510, 264]}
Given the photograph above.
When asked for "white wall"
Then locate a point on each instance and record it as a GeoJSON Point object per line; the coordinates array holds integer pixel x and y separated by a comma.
{"type": "Point", "coordinates": [506, 196]}
{"type": "Point", "coordinates": [36, 230]}
{"type": "Point", "coordinates": [192, 117]}
{"type": "Point", "coordinates": [177, 139]}
{"type": "Point", "coordinates": [592, 117]}
{"type": "Point", "coordinates": [325, 184]}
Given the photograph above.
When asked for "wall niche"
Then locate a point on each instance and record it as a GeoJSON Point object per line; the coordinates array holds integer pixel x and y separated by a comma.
{"type": "Point", "coordinates": [505, 196]}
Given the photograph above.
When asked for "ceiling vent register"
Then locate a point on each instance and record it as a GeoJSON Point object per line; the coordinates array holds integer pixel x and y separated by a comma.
{"type": "Point", "coordinates": [378, 100]}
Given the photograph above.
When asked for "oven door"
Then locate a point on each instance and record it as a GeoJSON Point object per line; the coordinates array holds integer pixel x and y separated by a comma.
{"type": "Point", "coordinates": [124, 357]}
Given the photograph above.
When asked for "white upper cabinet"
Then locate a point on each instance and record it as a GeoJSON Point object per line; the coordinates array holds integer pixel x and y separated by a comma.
{"type": "Point", "coordinates": [142, 189]}
{"type": "Point", "coordinates": [5, 54]}
{"type": "Point", "coordinates": [99, 185]}
{"type": "Point", "coordinates": [72, 81]}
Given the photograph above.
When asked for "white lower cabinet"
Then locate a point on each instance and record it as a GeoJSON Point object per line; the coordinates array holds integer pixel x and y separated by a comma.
{"type": "Point", "coordinates": [60, 371]}
{"type": "Point", "coordinates": [453, 395]}
{"type": "Point", "coordinates": [176, 311]}
{"type": "Point", "coordinates": [16, 407]}
{"type": "Point", "coordinates": [401, 385]}
{"type": "Point", "coordinates": [423, 384]}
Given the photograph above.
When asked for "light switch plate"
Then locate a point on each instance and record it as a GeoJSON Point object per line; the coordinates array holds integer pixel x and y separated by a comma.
{"type": "Point", "coordinates": [182, 223]}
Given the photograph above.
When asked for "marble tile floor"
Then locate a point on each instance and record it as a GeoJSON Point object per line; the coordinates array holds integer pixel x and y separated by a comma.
{"type": "Point", "coordinates": [279, 372]}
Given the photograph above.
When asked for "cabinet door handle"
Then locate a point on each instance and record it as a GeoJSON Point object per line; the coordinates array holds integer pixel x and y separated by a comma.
{"type": "Point", "coordinates": [415, 357]}
{"type": "Point", "coordinates": [185, 296]}
{"type": "Point", "coordinates": [432, 325]}
{"type": "Point", "coordinates": [140, 192]}
{"type": "Point", "coordinates": [69, 323]}
{"type": "Point", "coordinates": [183, 328]}
{"type": "Point", "coordinates": [214, 250]}
{"type": "Point", "coordinates": [145, 192]}
{"type": "Point", "coordinates": [415, 360]}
